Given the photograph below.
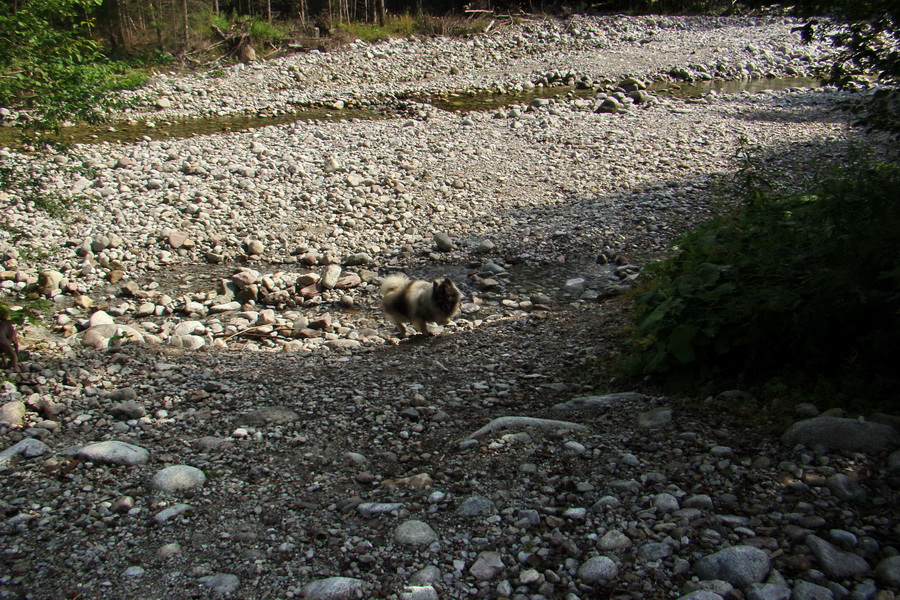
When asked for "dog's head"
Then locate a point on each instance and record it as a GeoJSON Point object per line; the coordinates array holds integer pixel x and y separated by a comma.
{"type": "Point", "coordinates": [445, 295]}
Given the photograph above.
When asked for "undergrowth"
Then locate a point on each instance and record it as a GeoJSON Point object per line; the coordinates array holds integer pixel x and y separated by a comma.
{"type": "Point", "coordinates": [802, 288]}
{"type": "Point", "coordinates": [405, 25]}
{"type": "Point", "coordinates": [394, 26]}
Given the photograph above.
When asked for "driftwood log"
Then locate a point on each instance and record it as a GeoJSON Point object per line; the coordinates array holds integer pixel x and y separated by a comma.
{"type": "Point", "coordinates": [503, 423]}
{"type": "Point", "coordinates": [237, 39]}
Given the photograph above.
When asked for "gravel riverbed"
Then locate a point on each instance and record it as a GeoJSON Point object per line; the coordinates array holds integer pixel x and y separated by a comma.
{"type": "Point", "coordinates": [216, 407]}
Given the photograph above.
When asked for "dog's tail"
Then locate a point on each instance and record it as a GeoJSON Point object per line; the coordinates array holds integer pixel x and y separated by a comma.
{"type": "Point", "coordinates": [393, 283]}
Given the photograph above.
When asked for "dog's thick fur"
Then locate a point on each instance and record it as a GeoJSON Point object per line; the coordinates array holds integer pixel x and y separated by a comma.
{"type": "Point", "coordinates": [9, 344]}
{"type": "Point", "coordinates": [419, 302]}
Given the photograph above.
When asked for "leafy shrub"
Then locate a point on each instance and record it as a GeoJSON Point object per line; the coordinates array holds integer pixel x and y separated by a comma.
{"type": "Point", "coordinates": [453, 26]}
{"type": "Point", "coordinates": [804, 283]}
{"type": "Point", "coordinates": [394, 26]}
{"type": "Point", "coordinates": [263, 32]}
{"type": "Point", "coordinates": [51, 66]}
{"type": "Point", "coordinates": [235, 29]}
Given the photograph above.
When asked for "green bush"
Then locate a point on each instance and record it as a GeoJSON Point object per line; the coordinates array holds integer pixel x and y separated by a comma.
{"type": "Point", "coordinates": [394, 26]}
{"type": "Point", "coordinates": [52, 67]}
{"type": "Point", "coordinates": [804, 284]}
{"type": "Point", "coordinates": [264, 33]}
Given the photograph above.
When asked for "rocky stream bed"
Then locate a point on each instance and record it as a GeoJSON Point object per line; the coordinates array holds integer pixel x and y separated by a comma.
{"type": "Point", "coordinates": [215, 406]}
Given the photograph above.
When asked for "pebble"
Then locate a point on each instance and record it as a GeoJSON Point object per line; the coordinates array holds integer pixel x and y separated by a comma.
{"type": "Point", "coordinates": [178, 478]}
{"type": "Point", "coordinates": [167, 551]}
{"type": "Point", "coordinates": [171, 512]}
{"type": "Point", "coordinates": [888, 571]}
{"type": "Point", "coordinates": [221, 583]}
{"type": "Point", "coordinates": [414, 533]}
{"type": "Point", "coordinates": [844, 487]}
{"type": "Point", "coordinates": [665, 503]}
{"type": "Point", "coordinates": [134, 572]}
{"type": "Point", "coordinates": [597, 569]}
{"type": "Point", "coordinates": [26, 448]}
{"type": "Point", "coordinates": [443, 242]}
{"type": "Point", "coordinates": [805, 590]}
{"type": "Point", "coordinates": [333, 588]}
{"type": "Point", "coordinates": [614, 540]}
{"type": "Point", "coordinates": [739, 565]}
{"type": "Point", "coordinates": [13, 412]}
{"type": "Point", "coordinates": [477, 506]}
{"type": "Point", "coordinates": [768, 591]}
{"type": "Point", "coordinates": [842, 434]}
{"type": "Point", "coordinates": [425, 576]}
{"type": "Point", "coordinates": [114, 453]}
{"type": "Point", "coordinates": [425, 592]}
{"type": "Point", "coordinates": [654, 419]}
{"type": "Point", "coordinates": [836, 563]}
{"type": "Point", "coordinates": [274, 415]}
{"type": "Point", "coordinates": [127, 410]}
{"type": "Point", "coordinates": [487, 566]}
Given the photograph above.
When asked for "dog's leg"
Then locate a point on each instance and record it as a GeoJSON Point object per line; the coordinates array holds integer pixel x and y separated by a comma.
{"type": "Point", "coordinates": [401, 328]}
{"type": "Point", "coordinates": [421, 326]}
{"type": "Point", "coordinates": [9, 344]}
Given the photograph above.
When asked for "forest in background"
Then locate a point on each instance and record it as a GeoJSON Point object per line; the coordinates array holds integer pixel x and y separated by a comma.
{"type": "Point", "coordinates": [174, 25]}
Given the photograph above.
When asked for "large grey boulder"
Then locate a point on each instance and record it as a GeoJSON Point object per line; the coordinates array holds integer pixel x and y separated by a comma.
{"type": "Point", "coordinates": [740, 566]}
{"type": "Point", "coordinates": [836, 563]}
{"type": "Point", "coordinates": [842, 434]}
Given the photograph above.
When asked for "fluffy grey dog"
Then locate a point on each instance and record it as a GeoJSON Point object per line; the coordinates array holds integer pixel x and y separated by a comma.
{"type": "Point", "coordinates": [419, 302]}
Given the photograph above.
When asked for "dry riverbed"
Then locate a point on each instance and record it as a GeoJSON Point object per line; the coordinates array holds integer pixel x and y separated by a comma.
{"type": "Point", "coordinates": [216, 405]}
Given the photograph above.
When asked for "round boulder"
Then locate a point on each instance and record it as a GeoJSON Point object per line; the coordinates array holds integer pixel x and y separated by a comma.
{"type": "Point", "coordinates": [597, 570]}
{"type": "Point", "coordinates": [178, 478]}
{"type": "Point", "coordinates": [414, 533]}
{"type": "Point", "coordinates": [842, 434]}
{"type": "Point", "coordinates": [740, 566]}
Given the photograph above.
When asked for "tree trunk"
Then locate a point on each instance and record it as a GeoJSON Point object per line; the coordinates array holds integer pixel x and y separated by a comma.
{"type": "Point", "coordinates": [302, 11]}
{"type": "Point", "coordinates": [184, 9]}
{"type": "Point", "coordinates": [120, 25]}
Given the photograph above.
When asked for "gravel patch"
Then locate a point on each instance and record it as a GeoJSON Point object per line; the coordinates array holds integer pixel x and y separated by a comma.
{"type": "Point", "coordinates": [217, 407]}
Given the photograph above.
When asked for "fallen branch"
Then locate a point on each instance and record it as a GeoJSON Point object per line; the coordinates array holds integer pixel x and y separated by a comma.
{"type": "Point", "coordinates": [501, 423]}
{"type": "Point", "coordinates": [252, 328]}
{"type": "Point", "coordinates": [598, 402]}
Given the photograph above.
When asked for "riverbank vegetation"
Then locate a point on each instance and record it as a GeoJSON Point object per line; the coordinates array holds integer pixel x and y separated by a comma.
{"type": "Point", "coordinates": [786, 286]}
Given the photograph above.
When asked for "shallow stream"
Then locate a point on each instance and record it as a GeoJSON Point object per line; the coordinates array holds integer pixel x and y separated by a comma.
{"type": "Point", "coordinates": [132, 131]}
